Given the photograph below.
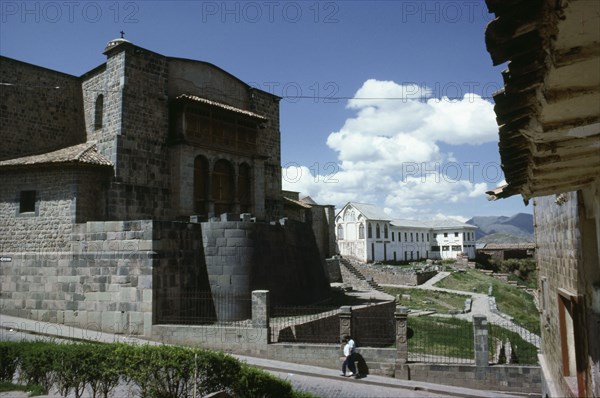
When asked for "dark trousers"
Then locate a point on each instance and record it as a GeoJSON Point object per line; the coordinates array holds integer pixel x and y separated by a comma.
{"type": "Point", "coordinates": [349, 363]}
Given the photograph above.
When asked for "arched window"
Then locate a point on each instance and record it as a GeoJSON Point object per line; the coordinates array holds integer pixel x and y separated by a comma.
{"type": "Point", "coordinates": [223, 186]}
{"type": "Point", "coordinates": [200, 185]}
{"type": "Point", "coordinates": [245, 188]}
{"type": "Point", "coordinates": [361, 231]}
{"type": "Point", "coordinates": [385, 231]}
{"type": "Point", "coordinates": [340, 232]}
{"type": "Point", "coordinates": [98, 112]}
{"type": "Point", "coordinates": [377, 232]}
{"type": "Point", "coordinates": [370, 231]}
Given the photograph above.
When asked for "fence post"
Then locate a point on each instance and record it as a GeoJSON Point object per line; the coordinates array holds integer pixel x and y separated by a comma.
{"type": "Point", "coordinates": [261, 312]}
{"type": "Point", "coordinates": [402, 369]}
{"type": "Point", "coordinates": [480, 340]}
{"type": "Point", "coordinates": [346, 322]}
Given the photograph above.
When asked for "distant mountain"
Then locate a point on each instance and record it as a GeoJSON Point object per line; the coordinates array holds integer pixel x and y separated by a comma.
{"type": "Point", "coordinates": [501, 229]}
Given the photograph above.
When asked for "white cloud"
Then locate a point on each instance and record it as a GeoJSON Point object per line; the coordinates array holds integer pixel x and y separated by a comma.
{"type": "Point", "coordinates": [389, 152]}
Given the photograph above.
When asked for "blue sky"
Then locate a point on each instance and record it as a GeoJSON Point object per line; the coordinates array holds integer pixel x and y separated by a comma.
{"type": "Point", "coordinates": [386, 102]}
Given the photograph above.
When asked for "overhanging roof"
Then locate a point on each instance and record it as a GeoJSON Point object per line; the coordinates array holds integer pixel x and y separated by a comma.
{"type": "Point", "coordinates": [548, 112]}
{"type": "Point", "coordinates": [219, 105]}
{"type": "Point", "coordinates": [84, 154]}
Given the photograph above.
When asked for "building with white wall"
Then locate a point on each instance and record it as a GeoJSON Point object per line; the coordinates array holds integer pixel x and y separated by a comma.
{"type": "Point", "coordinates": [365, 232]}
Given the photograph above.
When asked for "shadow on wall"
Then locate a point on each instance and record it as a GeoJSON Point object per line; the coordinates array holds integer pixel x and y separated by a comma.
{"type": "Point", "coordinates": [286, 261]}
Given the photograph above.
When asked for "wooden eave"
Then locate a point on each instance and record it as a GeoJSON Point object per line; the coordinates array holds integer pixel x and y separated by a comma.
{"type": "Point", "coordinates": [549, 141]}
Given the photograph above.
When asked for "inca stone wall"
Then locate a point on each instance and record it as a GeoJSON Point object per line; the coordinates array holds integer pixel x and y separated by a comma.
{"type": "Point", "coordinates": [246, 256]}
{"type": "Point", "coordinates": [41, 109]}
{"type": "Point", "coordinates": [116, 278]}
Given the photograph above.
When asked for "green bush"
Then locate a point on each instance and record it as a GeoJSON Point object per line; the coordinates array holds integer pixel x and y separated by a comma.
{"type": "Point", "coordinates": [258, 383]}
{"type": "Point", "coordinates": [9, 360]}
{"type": "Point", "coordinates": [37, 364]}
{"type": "Point", "coordinates": [157, 371]}
{"type": "Point", "coordinates": [104, 375]}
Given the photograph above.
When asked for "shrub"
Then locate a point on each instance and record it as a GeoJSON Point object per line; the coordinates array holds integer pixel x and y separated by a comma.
{"type": "Point", "coordinates": [9, 360]}
{"type": "Point", "coordinates": [37, 364]}
{"type": "Point", "coordinates": [158, 371]}
{"type": "Point", "coordinates": [254, 382]}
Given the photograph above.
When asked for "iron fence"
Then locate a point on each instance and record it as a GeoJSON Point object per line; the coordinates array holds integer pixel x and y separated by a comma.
{"type": "Point", "coordinates": [510, 343]}
{"type": "Point", "coordinates": [374, 326]}
{"type": "Point", "coordinates": [203, 308]}
{"type": "Point", "coordinates": [309, 324]}
{"type": "Point", "coordinates": [440, 340]}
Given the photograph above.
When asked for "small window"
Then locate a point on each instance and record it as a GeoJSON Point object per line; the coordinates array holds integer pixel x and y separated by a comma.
{"type": "Point", "coordinates": [27, 202]}
{"type": "Point", "coordinates": [417, 236]}
{"type": "Point", "coordinates": [445, 234]}
{"type": "Point", "coordinates": [385, 231]}
{"type": "Point", "coordinates": [377, 232]}
{"type": "Point", "coordinates": [340, 232]}
{"type": "Point", "coordinates": [393, 237]}
{"type": "Point", "coordinates": [98, 112]}
{"type": "Point", "coordinates": [456, 234]}
{"type": "Point", "coordinates": [370, 231]}
{"type": "Point", "coordinates": [361, 231]}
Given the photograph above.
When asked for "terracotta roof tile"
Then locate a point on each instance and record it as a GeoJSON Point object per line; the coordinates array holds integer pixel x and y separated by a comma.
{"type": "Point", "coordinates": [220, 105]}
{"type": "Point", "coordinates": [81, 154]}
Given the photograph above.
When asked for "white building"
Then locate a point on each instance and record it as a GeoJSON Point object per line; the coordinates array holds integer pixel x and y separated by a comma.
{"type": "Point", "coordinates": [365, 232]}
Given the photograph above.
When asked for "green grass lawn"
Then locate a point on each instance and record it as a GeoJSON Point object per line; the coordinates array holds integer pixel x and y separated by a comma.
{"type": "Point", "coordinates": [509, 299]}
{"type": "Point", "coordinates": [524, 352]}
{"type": "Point", "coordinates": [441, 302]}
{"type": "Point", "coordinates": [446, 337]}
{"type": "Point", "coordinates": [453, 338]}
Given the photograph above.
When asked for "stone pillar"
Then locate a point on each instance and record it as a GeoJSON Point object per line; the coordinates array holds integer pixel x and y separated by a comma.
{"type": "Point", "coordinates": [402, 369]}
{"type": "Point", "coordinates": [261, 310]}
{"type": "Point", "coordinates": [345, 322]}
{"type": "Point", "coordinates": [480, 339]}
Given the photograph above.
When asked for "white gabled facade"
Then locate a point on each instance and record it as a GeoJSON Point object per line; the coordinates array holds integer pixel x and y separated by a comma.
{"type": "Point", "coordinates": [365, 232]}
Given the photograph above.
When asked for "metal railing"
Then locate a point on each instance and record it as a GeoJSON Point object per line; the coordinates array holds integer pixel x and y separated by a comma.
{"type": "Point", "coordinates": [308, 324]}
{"type": "Point", "coordinates": [513, 344]}
{"type": "Point", "coordinates": [203, 308]}
{"type": "Point", "coordinates": [440, 340]}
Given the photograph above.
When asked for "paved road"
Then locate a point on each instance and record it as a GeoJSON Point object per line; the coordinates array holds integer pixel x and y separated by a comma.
{"type": "Point", "coordinates": [322, 382]}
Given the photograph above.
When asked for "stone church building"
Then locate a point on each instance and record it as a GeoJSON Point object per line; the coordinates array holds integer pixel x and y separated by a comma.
{"type": "Point", "coordinates": [140, 185]}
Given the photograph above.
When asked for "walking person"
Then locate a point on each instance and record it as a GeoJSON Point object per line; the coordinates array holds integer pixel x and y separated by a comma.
{"type": "Point", "coordinates": [349, 350]}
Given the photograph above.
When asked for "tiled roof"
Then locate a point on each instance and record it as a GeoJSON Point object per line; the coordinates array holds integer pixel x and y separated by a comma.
{"type": "Point", "coordinates": [296, 202]}
{"type": "Point", "coordinates": [220, 105]}
{"type": "Point", "coordinates": [410, 224]}
{"type": "Point", "coordinates": [371, 212]}
{"type": "Point", "coordinates": [81, 154]}
{"type": "Point", "coordinates": [509, 246]}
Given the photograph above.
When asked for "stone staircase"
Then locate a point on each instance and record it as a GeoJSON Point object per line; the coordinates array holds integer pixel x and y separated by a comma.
{"type": "Point", "coordinates": [356, 272]}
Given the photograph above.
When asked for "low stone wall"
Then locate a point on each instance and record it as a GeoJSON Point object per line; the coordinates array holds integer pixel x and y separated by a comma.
{"type": "Point", "coordinates": [524, 379]}
{"type": "Point", "coordinates": [391, 275]}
